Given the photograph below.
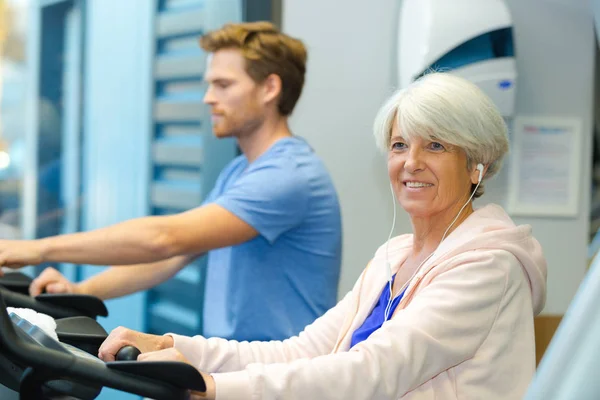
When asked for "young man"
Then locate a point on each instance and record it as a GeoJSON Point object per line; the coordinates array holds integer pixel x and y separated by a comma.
{"type": "Point", "coordinates": [271, 225]}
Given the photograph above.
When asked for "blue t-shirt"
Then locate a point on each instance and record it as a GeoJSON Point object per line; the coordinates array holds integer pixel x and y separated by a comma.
{"type": "Point", "coordinates": [377, 316]}
{"type": "Point", "coordinates": [272, 286]}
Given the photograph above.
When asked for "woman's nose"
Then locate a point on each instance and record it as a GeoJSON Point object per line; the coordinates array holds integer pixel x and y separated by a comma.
{"type": "Point", "coordinates": [413, 161]}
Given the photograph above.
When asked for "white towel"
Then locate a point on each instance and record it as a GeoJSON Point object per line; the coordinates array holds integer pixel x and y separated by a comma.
{"type": "Point", "coordinates": [42, 321]}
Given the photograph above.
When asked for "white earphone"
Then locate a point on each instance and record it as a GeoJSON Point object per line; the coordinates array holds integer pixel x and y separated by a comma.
{"type": "Point", "coordinates": [480, 169]}
{"type": "Point", "coordinates": [387, 262]}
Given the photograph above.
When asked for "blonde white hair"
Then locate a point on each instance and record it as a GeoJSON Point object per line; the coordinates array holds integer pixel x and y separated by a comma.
{"type": "Point", "coordinates": [445, 107]}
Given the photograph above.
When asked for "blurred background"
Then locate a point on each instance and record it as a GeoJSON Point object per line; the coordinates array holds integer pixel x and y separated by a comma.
{"type": "Point", "coordinates": [101, 120]}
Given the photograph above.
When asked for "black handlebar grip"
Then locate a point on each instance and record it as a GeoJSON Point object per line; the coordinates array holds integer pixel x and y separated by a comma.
{"type": "Point", "coordinates": [128, 353]}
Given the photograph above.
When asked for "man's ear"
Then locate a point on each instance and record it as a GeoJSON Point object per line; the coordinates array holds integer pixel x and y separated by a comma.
{"type": "Point", "coordinates": [271, 88]}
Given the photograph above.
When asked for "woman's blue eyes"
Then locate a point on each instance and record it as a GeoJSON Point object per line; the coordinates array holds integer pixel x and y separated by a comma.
{"type": "Point", "coordinates": [436, 146]}
{"type": "Point", "coordinates": [433, 146]}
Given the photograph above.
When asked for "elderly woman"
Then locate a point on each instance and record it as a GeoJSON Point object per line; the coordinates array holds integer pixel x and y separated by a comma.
{"type": "Point", "coordinates": [443, 313]}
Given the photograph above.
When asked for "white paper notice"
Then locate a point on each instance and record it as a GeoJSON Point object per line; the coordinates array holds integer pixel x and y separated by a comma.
{"type": "Point", "coordinates": [545, 166]}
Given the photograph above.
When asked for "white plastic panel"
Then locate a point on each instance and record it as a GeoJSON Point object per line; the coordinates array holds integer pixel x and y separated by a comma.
{"type": "Point", "coordinates": [431, 28]}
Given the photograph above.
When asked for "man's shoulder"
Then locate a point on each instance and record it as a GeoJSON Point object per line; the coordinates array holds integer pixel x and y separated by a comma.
{"type": "Point", "coordinates": [233, 166]}
{"type": "Point", "coordinates": [295, 155]}
{"type": "Point", "coordinates": [290, 166]}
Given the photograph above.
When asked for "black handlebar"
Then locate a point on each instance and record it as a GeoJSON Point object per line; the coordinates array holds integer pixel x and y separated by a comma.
{"type": "Point", "coordinates": [14, 287]}
{"type": "Point", "coordinates": [128, 353]}
{"type": "Point", "coordinates": [16, 282]}
{"type": "Point", "coordinates": [41, 361]}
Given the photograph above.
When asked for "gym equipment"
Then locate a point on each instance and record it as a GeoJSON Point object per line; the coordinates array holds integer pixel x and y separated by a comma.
{"type": "Point", "coordinates": [39, 367]}
{"type": "Point", "coordinates": [14, 287]}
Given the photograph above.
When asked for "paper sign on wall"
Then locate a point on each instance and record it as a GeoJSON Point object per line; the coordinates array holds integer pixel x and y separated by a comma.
{"type": "Point", "coordinates": [545, 167]}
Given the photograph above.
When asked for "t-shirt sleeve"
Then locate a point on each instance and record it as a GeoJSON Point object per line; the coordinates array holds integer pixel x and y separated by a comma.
{"type": "Point", "coordinates": [221, 179]}
{"type": "Point", "coordinates": [210, 197]}
{"type": "Point", "coordinates": [272, 197]}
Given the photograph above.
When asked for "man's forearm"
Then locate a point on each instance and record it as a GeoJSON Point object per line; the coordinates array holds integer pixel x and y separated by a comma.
{"type": "Point", "coordinates": [140, 240]}
{"type": "Point", "coordinates": [120, 281]}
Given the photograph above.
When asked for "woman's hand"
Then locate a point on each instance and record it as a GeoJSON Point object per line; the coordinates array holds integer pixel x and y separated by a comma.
{"type": "Point", "coordinates": [172, 354]}
{"type": "Point", "coordinates": [121, 337]}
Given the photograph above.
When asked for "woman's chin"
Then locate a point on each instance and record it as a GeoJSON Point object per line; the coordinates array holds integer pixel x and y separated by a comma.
{"type": "Point", "coordinates": [418, 210]}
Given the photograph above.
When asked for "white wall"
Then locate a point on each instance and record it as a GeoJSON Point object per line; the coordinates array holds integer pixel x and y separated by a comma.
{"type": "Point", "coordinates": [596, 10]}
{"type": "Point", "coordinates": [556, 78]}
{"type": "Point", "coordinates": [350, 73]}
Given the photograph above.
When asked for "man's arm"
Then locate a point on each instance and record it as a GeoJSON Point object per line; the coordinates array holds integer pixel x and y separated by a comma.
{"type": "Point", "coordinates": [117, 282]}
{"type": "Point", "coordinates": [114, 282]}
{"type": "Point", "coordinates": [141, 240]}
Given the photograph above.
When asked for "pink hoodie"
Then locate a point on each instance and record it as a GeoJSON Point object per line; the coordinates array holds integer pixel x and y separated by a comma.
{"type": "Point", "coordinates": [463, 330]}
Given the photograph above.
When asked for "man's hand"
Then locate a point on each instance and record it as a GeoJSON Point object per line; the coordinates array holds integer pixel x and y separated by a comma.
{"type": "Point", "coordinates": [121, 337]}
{"type": "Point", "coordinates": [19, 253]}
{"type": "Point", "coordinates": [173, 354]}
{"type": "Point", "coordinates": [51, 281]}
